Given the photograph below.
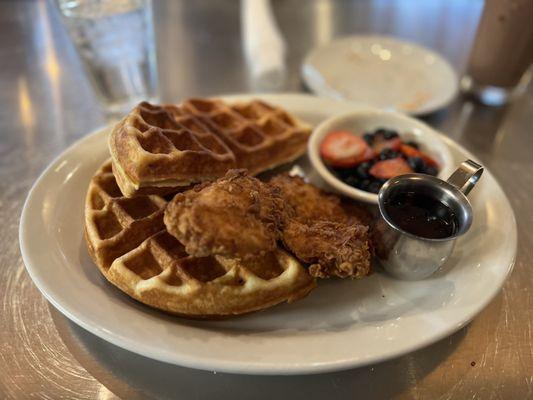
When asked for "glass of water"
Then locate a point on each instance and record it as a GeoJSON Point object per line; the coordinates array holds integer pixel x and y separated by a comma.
{"type": "Point", "coordinates": [115, 41]}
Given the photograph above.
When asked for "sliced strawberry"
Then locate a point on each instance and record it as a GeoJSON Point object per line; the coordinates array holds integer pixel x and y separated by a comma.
{"type": "Point", "coordinates": [382, 144]}
{"type": "Point", "coordinates": [410, 151]}
{"type": "Point", "coordinates": [387, 169]}
{"type": "Point", "coordinates": [344, 149]}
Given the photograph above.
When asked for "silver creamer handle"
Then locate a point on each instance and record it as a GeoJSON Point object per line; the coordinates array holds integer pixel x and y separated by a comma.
{"type": "Point", "coordinates": [466, 176]}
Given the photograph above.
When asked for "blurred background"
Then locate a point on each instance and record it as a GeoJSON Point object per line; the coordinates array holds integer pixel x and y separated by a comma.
{"type": "Point", "coordinates": [91, 56]}
{"type": "Point", "coordinates": [199, 44]}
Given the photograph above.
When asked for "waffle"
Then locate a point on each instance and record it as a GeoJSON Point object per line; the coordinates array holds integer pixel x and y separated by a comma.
{"type": "Point", "coordinates": [128, 241]}
{"type": "Point", "coordinates": [260, 135]}
{"type": "Point", "coordinates": [158, 148]}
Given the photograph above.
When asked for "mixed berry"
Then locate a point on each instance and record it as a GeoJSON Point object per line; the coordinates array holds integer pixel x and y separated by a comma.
{"type": "Point", "coordinates": [366, 162]}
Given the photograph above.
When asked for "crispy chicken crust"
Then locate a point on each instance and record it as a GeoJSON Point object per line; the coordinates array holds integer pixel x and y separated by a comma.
{"type": "Point", "coordinates": [237, 215]}
{"type": "Point", "coordinates": [240, 216]}
{"type": "Point", "coordinates": [321, 231]}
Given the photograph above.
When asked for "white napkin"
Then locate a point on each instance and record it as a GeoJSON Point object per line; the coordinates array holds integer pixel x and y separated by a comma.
{"type": "Point", "coordinates": [264, 46]}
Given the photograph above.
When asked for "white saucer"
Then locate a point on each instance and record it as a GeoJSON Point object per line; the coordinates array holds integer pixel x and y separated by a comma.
{"type": "Point", "coordinates": [340, 325]}
{"type": "Point", "coordinates": [382, 72]}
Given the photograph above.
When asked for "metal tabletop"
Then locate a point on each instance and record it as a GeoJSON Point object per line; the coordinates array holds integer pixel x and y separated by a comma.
{"type": "Point", "coordinates": [47, 103]}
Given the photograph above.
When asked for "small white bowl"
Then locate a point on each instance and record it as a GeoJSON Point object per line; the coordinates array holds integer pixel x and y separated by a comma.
{"type": "Point", "coordinates": [368, 120]}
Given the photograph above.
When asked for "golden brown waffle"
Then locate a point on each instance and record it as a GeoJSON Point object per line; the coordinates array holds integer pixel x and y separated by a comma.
{"type": "Point", "coordinates": [114, 224]}
{"type": "Point", "coordinates": [127, 239]}
{"type": "Point", "coordinates": [158, 148]}
{"type": "Point", "coordinates": [260, 135]}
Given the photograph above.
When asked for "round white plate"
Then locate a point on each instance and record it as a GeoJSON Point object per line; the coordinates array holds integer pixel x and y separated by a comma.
{"type": "Point", "coordinates": [341, 324]}
{"type": "Point", "coordinates": [383, 72]}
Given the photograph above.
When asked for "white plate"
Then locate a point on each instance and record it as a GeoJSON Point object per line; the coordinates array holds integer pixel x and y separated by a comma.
{"type": "Point", "coordinates": [342, 324]}
{"type": "Point", "coordinates": [382, 72]}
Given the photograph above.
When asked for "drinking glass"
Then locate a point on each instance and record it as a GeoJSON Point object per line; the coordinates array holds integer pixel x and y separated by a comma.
{"type": "Point", "coordinates": [115, 41]}
{"type": "Point", "coordinates": [502, 52]}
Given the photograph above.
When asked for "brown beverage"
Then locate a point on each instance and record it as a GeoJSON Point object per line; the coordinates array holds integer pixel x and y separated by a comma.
{"type": "Point", "coordinates": [503, 49]}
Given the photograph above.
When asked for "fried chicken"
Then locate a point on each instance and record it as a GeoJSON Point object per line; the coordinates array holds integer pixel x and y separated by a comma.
{"type": "Point", "coordinates": [240, 216]}
{"type": "Point", "coordinates": [237, 215]}
{"type": "Point", "coordinates": [331, 248]}
{"type": "Point", "coordinates": [320, 231]}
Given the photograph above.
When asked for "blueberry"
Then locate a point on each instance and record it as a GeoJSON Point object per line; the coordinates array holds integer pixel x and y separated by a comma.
{"type": "Point", "coordinates": [375, 186]}
{"type": "Point", "coordinates": [380, 132]}
{"type": "Point", "coordinates": [390, 134]}
{"type": "Point", "coordinates": [352, 181]}
{"type": "Point", "coordinates": [416, 163]}
{"type": "Point", "coordinates": [430, 170]}
{"type": "Point", "coordinates": [368, 138]}
{"type": "Point", "coordinates": [412, 144]}
{"type": "Point", "coordinates": [387, 154]}
{"type": "Point", "coordinates": [362, 170]}
{"type": "Point", "coordinates": [339, 173]}
{"type": "Point", "coordinates": [363, 185]}
{"type": "Point", "coordinates": [343, 173]}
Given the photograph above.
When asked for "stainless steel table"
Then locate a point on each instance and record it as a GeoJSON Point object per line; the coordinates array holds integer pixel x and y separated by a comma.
{"type": "Point", "coordinates": [46, 104]}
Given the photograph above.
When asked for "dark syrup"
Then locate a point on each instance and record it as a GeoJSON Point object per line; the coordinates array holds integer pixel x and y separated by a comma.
{"type": "Point", "coordinates": [421, 215]}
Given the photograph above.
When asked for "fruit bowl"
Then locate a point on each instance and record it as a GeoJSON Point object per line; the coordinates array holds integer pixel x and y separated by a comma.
{"type": "Point", "coordinates": [362, 121]}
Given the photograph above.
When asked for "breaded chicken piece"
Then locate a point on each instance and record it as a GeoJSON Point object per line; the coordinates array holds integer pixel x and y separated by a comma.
{"type": "Point", "coordinates": [321, 232]}
{"type": "Point", "coordinates": [309, 202]}
{"type": "Point", "coordinates": [237, 215]}
{"type": "Point", "coordinates": [331, 248]}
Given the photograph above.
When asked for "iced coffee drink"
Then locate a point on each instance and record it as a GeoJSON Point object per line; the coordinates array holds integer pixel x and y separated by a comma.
{"type": "Point", "coordinates": [502, 50]}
